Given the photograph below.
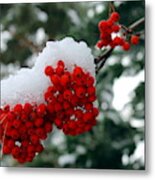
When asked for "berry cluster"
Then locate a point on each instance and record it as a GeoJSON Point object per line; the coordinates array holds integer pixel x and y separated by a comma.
{"type": "Point", "coordinates": [70, 99]}
{"type": "Point", "coordinates": [69, 105]}
{"type": "Point", "coordinates": [110, 26]}
{"type": "Point", "coordinates": [22, 129]}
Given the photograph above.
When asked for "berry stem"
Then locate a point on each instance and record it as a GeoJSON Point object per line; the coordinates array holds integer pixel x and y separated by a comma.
{"type": "Point", "coordinates": [111, 7]}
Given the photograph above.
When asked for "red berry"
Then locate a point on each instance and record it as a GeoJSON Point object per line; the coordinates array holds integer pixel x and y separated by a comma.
{"type": "Point", "coordinates": [38, 122]}
{"type": "Point", "coordinates": [67, 94]}
{"type": "Point", "coordinates": [91, 90]}
{"type": "Point", "coordinates": [49, 71]}
{"type": "Point", "coordinates": [65, 79]}
{"type": "Point", "coordinates": [115, 28]}
{"type": "Point", "coordinates": [18, 108]}
{"type": "Point", "coordinates": [27, 108]}
{"type": "Point", "coordinates": [30, 148]}
{"type": "Point", "coordinates": [6, 150]}
{"type": "Point", "coordinates": [16, 123]}
{"type": "Point", "coordinates": [39, 148]}
{"type": "Point", "coordinates": [126, 46]}
{"type": "Point", "coordinates": [58, 123]}
{"type": "Point", "coordinates": [41, 109]}
{"type": "Point", "coordinates": [61, 63]}
{"type": "Point", "coordinates": [115, 16]}
{"type": "Point", "coordinates": [134, 39]}
{"type": "Point", "coordinates": [11, 143]}
{"type": "Point", "coordinates": [102, 25]}
{"type": "Point", "coordinates": [55, 79]}
{"type": "Point", "coordinates": [77, 72]}
{"type": "Point", "coordinates": [100, 44]}
{"type": "Point", "coordinates": [59, 70]}
{"type": "Point", "coordinates": [48, 127]}
{"type": "Point", "coordinates": [16, 151]}
{"type": "Point", "coordinates": [34, 139]}
{"type": "Point", "coordinates": [80, 92]}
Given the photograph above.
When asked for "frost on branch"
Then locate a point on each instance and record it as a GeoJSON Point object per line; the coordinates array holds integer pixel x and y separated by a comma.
{"type": "Point", "coordinates": [29, 85]}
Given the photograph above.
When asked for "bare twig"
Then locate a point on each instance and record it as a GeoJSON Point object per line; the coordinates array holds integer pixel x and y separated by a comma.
{"type": "Point", "coordinates": [111, 7]}
{"type": "Point", "coordinates": [137, 23]}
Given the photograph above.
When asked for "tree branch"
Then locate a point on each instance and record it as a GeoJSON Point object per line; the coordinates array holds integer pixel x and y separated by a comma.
{"type": "Point", "coordinates": [137, 23]}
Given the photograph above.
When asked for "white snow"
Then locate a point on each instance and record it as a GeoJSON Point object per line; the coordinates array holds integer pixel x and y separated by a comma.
{"type": "Point", "coordinates": [29, 85]}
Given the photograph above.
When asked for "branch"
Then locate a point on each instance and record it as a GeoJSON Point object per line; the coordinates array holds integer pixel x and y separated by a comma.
{"type": "Point", "coordinates": [137, 23]}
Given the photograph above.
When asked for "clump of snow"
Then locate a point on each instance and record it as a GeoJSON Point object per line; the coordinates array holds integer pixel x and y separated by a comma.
{"type": "Point", "coordinates": [29, 85]}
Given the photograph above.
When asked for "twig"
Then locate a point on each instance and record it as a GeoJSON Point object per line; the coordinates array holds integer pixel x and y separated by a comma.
{"type": "Point", "coordinates": [111, 7]}
{"type": "Point", "coordinates": [137, 23]}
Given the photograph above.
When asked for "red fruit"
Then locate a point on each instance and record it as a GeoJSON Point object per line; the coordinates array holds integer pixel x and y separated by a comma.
{"type": "Point", "coordinates": [89, 81]}
{"type": "Point", "coordinates": [25, 143]}
{"type": "Point", "coordinates": [11, 143]}
{"type": "Point", "coordinates": [57, 107]}
{"type": "Point", "coordinates": [78, 113]}
{"type": "Point", "coordinates": [87, 116]}
{"type": "Point", "coordinates": [126, 46]}
{"type": "Point", "coordinates": [29, 124]}
{"type": "Point", "coordinates": [41, 109]}
{"type": "Point", "coordinates": [30, 148]}
{"type": "Point", "coordinates": [39, 148]}
{"type": "Point", "coordinates": [58, 123]}
{"type": "Point", "coordinates": [134, 39]}
{"type": "Point", "coordinates": [34, 139]}
{"type": "Point", "coordinates": [95, 111]}
{"type": "Point", "coordinates": [61, 63]}
{"type": "Point", "coordinates": [27, 108]}
{"type": "Point", "coordinates": [92, 98]}
{"type": "Point", "coordinates": [66, 105]}
{"type": "Point", "coordinates": [67, 94]}
{"type": "Point", "coordinates": [16, 123]}
{"type": "Point", "coordinates": [91, 90]}
{"type": "Point", "coordinates": [6, 150]}
{"type": "Point", "coordinates": [51, 108]}
{"type": "Point", "coordinates": [118, 41]}
{"type": "Point", "coordinates": [80, 92]}
{"type": "Point", "coordinates": [41, 133]}
{"type": "Point", "coordinates": [10, 116]}
{"type": "Point", "coordinates": [65, 79]}
{"type": "Point", "coordinates": [48, 127]}
{"type": "Point", "coordinates": [115, 28]}
{"type": "Point", "coordinates": [14, 134]}
{"type": "Point", "coordinates": [49, 71]}
{"type": "Point", "coordinates": [115, 16]}
{"type": "Point", "coordinates": [102, 25]}
{"type": "Point", "coordinates": [6, 108]}
{"type": "Point", "coordinates": [18, 108]}
{"type": "Point", "coordinates": [100, 44]}
{"type": "Point", "coordinates": [59, 70]}
{"type": "Point", "coordinates": [88, 106]}
{"type": "Point", "coordinates": [77, 72]}
{"type": "Point", "coordinates": [55, 79]}
{"type": "Point", "coordinates": [16, 151]}
{"type": "Point", "coordinates": [39, 122]}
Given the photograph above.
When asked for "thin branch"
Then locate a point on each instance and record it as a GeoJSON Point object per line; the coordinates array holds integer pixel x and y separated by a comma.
{"type": "Point", "coordinates": [137, 23]}
{"type": "Point", "coordinates": [111, 7]}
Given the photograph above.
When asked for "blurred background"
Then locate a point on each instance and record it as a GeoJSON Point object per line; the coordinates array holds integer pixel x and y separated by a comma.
{"type": "Point", "coordinates": [117, 141]}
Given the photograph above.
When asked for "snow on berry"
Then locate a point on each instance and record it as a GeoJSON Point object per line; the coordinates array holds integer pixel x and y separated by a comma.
{"type": "Point", "coordinates": [29, 85]}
